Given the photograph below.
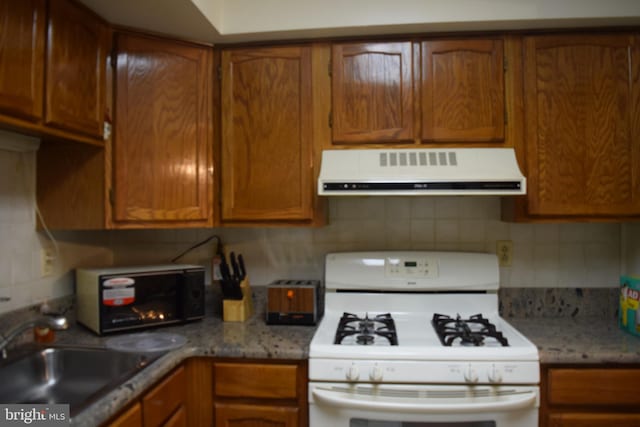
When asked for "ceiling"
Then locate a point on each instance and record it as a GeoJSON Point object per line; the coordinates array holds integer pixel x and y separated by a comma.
{"type": "Point", "coordinates": [226, 21]}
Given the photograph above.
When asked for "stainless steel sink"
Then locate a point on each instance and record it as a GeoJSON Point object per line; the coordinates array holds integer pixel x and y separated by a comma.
{"type": "Point", "coordinates": [73, 375]}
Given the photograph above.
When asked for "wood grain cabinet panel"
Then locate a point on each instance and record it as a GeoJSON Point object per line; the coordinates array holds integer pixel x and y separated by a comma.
{"type": "Point", "coordinates": [593, 420]}
{"type": "Point", "coordinates": [239, 380]}
{"type": "Point", "coordinates": [243, 415]}
{"type": "Point", "coordinates": [260, 394]}
{"type": "Point", "coordinates": [160, 404]}
{"type": "Point", "coordinates": [162, 146]}
{"type": "Point", "coordinates": [22, 43]}
{"type": "Point", "coordinates": [75, 74]}
{"type": "Point", "coordinates": [582, 120]}
{"type": "Point", "coordinates": [267, 134]}
{"type": "Point", "coordinates": [593, 387]}
{"type": "Point", "coordinates": [178, 419]}
{"type": "Point", "coordinates": [589, 396]}
{"type": "Point", "coordinates": [372, 88]}
{"type": "Point", "coordinates": [463, 91]}
{"type": "Point", "coordinates": [131, 417]}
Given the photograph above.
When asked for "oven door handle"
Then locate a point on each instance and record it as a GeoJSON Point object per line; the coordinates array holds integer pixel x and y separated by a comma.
{"type": "Point", "coordinates": [343, 400]}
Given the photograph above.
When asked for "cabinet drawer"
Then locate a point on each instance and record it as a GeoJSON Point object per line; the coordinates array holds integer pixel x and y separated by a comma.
{"type": "Point", "coordinates": [593, 420]}
{"type": "Point", "coordinates": [162, 401]}
{"type": "Point", "coordinates": [238, 414]}
{"type": "Point", "coordinates": [594, 386]}
{"type": "Point", "coordinates": [255, 380]}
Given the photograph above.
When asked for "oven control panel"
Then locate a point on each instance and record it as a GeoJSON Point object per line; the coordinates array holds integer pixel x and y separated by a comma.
{"type": "Point", "coordinates": [426, 372]}
{"type": "Point", "coordinates": [411, 267]}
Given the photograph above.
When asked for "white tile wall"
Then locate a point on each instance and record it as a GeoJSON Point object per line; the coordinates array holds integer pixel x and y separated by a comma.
{"type": "Point", "coordinates": [544, 255]}
{"type": "Point", "coordinates": [21, 283]}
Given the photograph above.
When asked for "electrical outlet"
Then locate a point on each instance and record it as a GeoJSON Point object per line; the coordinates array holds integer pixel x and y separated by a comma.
{"type": "Point", "coordinates": [47, 261]}
{"type": "Point", "coordinates": [504, 250]}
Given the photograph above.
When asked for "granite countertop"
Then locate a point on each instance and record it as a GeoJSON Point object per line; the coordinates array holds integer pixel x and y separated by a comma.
{"type": "Point", "coordinates": [566, 330]}
{"type": "Point", "coordinates": [210, 337]}
{"type": "Point", "coordinates": [579, 340]}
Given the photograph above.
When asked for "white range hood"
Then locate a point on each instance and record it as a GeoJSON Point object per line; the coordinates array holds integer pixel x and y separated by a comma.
{"type": "Point", "coordinates": [421, 172]}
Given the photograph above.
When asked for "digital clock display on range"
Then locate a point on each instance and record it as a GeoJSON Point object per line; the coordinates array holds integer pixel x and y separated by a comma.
{"type": "Point", "coordinates": [410, 264]}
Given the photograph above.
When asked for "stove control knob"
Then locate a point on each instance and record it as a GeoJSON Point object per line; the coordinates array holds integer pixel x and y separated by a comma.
{"type": "Point", "coordinates": [376, 374]}
{"type": "Point", "coordinates": [470, 375]}
{"type": "Point", "coordinates": [353, 373]}
{"type": "Point", "coordinates": [494, 374]}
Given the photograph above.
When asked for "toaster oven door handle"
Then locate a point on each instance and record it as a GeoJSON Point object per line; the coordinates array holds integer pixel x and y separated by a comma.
{"type": "Point", "coordinates": [513, 402]}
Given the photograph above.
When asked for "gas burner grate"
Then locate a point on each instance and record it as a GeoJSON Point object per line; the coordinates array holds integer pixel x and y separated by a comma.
{"type": "Point", "coordinates": [366, 329]}
{"type": "Point", "coordinates": [471, 332]}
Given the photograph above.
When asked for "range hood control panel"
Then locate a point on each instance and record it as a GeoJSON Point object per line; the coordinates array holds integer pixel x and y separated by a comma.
{"type": "Point", "coordinates": [411, 267]}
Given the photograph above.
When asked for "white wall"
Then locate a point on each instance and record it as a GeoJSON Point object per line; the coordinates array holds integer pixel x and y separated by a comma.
{"type": "Point", "coordinates": [250, 16]}
{"type": "Point", "coordinates": [631, 249]}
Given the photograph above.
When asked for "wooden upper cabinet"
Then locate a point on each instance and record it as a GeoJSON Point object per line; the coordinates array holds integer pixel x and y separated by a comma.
{"type": "Point", "coordinates": [163, 134]}
{"type": "Point", "coordinates": [22, 41]}
{"type": "Point", "coordinates": [372, 88]}
{"type": "Point", "coordinates": [582, 100]}
{"type": "Point", "coordinates": [463, 91]}
{"type": "Point", "coordinates": [75, 78]}
{"type": "Point", "coordinates": [267, 134]}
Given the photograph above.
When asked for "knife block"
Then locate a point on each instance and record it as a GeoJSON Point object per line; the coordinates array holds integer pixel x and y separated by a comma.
{"type": "Point", "coordinates": [238, 310]}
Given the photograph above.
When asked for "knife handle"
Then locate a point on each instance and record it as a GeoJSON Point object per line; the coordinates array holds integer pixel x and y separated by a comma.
{"type": "Point", "coordinates": [242, 270]}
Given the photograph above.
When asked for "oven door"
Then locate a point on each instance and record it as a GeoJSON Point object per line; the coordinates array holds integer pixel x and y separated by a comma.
{"type": "Point", "coordinates": [392, 405]}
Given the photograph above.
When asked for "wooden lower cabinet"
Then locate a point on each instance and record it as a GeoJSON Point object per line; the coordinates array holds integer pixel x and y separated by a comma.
{"type": "Point", "coordinates": [590, 396]}
{"type": "Point", "coordinates": [245, 415]}
{"type": "Point", "coordinates": [259, 393]}
{"type": "Point", "coordinates": [178, 419]}
{"type": "Point", "coordinates": [131, 417]}
{"type": "Point", "coordinates": [163, 405]}
{"type": "Point", "coordinates": [207, 392]}
{"type": "Point", "coordinates": [166, 399]}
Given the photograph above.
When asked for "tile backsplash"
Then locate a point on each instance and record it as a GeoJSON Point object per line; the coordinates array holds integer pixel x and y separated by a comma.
{"type": "Point", "coordinates": [544, 255]}
{"type": "Point", "coordinates": [21, 281]}
{"type": "Point", "coordinates": [575, 255]}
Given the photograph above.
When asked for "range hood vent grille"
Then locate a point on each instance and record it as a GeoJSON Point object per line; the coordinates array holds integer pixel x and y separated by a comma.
{"type": "Point", "coordinates": [418, 158]}
{"type": "Point", "coordinates": [443, 172]}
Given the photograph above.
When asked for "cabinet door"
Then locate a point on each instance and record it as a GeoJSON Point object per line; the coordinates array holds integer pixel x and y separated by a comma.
{"type": "Point", "coordinates": [373, 92]}
{"type": "Point", "coordinates": [463, 91]}
{"type": "Point", "coordinates": [267, 134]}
{"type": "Point", "coordinates": [243, 415]}
{"type": "Point", "coordinates": [22, 41]}
{"type": "Point", "coordinates": [162, 145]}
{"type": "Point", "coordinates": [178, 419]}
{"type": "Point", "coordinates": [582, 125]}
{"type": "Point", "coordinates": [75, 81]}
{"type": "Point", "coordinates": [132, 417]}
{"type": "Point", "coordinates": [165, 399]}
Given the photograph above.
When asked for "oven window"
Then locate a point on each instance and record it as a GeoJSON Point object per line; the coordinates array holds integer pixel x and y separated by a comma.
{"type": "Point", "coordinates": [154, 301]}
{"type": "Point", "coordinates": [360, 422]}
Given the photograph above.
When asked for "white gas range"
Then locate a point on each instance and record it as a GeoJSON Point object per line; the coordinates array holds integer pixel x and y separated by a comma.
{"type": "Point", "coordinates": [415, 339]}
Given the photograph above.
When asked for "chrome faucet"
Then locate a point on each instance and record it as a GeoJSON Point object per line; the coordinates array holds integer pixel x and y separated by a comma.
{"type": "Point", "coordinates": [55, 322]}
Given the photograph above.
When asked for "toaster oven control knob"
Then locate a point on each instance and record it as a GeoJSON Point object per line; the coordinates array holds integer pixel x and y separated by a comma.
{"type": "Point", "coordinates": [376, 374]}
{"type": "Point", "coordinates": [495, 375]}
{"type": "Point", "coordinates": [470, 375]}
{"type": "Point", "coordinates": [353, 373]}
